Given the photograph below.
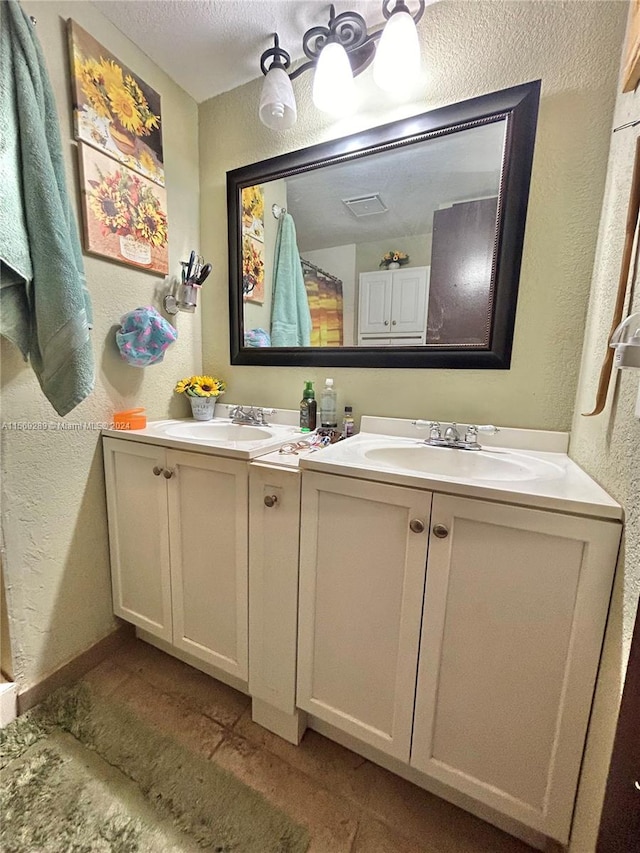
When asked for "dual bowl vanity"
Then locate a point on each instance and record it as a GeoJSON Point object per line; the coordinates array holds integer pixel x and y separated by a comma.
{"type": "Point", "coordinates": [439, 611]}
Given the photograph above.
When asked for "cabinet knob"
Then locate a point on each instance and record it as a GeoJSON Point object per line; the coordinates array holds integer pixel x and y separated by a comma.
{"type": "Point", "coordinates": [386, 322]}
{"type": "Point", "coordinates": [270, 500]}
{"type": "Point", "coordinates": [157, 470]}
{"type": "Point", "coordinates": [440, 531]}
{"type": "Point", "coordinates": [394, 322]}
{"type": "Point", "coordinates": [168, 474]}
{"type": "Point", "coordinates": [416, 525]}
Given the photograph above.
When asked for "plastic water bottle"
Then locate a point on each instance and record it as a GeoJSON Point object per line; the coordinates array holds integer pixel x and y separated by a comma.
{"type": "Point", "coordinates": [329, 406]}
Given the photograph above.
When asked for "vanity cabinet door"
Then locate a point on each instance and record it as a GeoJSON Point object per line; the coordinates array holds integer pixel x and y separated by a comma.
{"type": "Point", "coordinates": [274, 536]}
{"type": "Point", "coordinates": [362, 570]}
{"type": "Point", "coordinates": [208, 518]}
{"type": "Point", "coordinates": [515, 609]}
{"type": "Point", "coordinates": [138, 534]}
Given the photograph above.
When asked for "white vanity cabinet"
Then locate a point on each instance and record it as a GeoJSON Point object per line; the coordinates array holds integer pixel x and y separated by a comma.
{"type": "Point", "coordinates": [393, 305]}
{"type": "Point", "coordinates": [178, 540]}
{"type": "Point", "coordinates": [363, 551]}
{"type": "Point", "coordinates": [499, 649]}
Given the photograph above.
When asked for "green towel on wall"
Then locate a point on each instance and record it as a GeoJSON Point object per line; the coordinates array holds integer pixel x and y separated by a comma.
{"type": "Point", "coordinates": [45, 307]}
{"type": "Point", "coordinates": [290, 315]}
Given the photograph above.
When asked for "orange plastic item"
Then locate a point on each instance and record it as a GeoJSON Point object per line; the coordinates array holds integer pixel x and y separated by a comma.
{"type": "Point", "coordinates": [131, 419]}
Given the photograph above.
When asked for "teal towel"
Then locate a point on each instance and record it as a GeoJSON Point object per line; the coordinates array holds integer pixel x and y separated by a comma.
{"type": "Point", "coordinates": [290, 315]}
{"type": "Point", "coordinates": [45, 307]}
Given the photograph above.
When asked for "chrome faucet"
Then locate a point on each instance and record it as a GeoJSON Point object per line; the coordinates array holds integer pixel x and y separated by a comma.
{"type": "Point", "coordinates": [452, 437]}
{"type": "Point", "coordinates": [251, 416]}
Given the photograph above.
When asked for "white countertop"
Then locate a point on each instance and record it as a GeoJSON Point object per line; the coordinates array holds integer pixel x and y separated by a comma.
{"type": "Point", "coordinates": [564, 488]}
{"type": "Point", "coordinates": [160, 433]}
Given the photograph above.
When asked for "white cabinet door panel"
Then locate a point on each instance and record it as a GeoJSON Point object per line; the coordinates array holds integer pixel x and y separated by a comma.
{"type": "Point", "coordinates": [409, 300]}
{"type": "Point", "coordinates": [515, 607]}
{"type": "Point", "coordinates": [361, 591]}
{"type": "Point", "coordinates": [208, 512]}
{"type": "Point", "coordinates": [138, 535]}
{"type": "Point", "coordinates": [375, 302]}
{"type": "Point", "coordinates": [274, 535]}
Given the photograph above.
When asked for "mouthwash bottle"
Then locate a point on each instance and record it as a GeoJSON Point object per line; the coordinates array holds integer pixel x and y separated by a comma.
{"type": "Point", "coordinates": [308, 408]}
{"type": "Point", "coordinates": [347, 422]}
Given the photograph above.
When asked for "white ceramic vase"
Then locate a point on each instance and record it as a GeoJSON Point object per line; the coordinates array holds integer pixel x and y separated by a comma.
{"type": "Point", "coordinates": [202, 408]}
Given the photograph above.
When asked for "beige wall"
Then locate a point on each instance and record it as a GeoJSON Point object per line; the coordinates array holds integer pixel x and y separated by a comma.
{"type": "Point", "coordinates": [608, 447]}
{"type": "Point", "coordinates": [53, 508]}
{"type": "Point", "coordinates": [469, 49]}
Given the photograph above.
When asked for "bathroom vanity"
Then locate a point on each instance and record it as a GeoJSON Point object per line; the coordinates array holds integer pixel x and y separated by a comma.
{"type": "Point", "coordinates": [439, 611]}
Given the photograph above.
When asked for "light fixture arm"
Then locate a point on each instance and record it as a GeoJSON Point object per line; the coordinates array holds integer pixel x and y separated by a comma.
{"type": "Point", "coordinates": [401, 6]}
{"type": "Point", "coordinates": [281, 58]}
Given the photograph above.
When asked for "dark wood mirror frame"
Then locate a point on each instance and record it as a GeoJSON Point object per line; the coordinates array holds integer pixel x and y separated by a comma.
{"type": "Point", "coordinates": [519, 106]}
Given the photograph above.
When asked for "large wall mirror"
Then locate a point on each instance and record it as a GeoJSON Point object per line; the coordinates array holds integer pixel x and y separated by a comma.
{"type": "Point", "coordinates": [396, 247]}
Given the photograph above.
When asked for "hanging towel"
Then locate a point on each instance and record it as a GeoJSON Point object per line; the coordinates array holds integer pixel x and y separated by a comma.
{"type": "Point", "coordinates": [290, 315]}
{"type": "Point", "coordinates": [45, 308]}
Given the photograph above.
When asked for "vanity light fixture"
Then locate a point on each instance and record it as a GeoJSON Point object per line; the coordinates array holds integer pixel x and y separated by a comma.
{"type": "Point", "coordinates": [338, 53]}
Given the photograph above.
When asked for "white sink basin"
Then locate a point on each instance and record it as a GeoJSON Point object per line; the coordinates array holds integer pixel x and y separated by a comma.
{"type": "Point", "coordinates": [463, 464]}
{"type": "Point", "coordinates": [212, 431]}
{"type": "Point", "coordinates": [220, 436]}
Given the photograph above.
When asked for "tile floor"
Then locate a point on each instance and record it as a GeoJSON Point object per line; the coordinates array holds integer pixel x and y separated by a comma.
{"type": "Point", "coordinates": [348, 804]}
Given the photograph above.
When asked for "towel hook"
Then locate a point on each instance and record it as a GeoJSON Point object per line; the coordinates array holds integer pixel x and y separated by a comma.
{"type": "Point", "coordinates": [278, 211]}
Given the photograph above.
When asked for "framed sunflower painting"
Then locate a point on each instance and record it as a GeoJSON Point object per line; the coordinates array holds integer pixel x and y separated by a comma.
{"type": "Point", "coordinates": [253, 244]}
{"type": "Point", "coordinates": [114, 110]}
{"type": "Point", "coordinates": [124, 214]}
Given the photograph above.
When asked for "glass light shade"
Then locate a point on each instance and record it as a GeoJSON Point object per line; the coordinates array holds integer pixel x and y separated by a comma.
{"type": "Point", "coordinates": [277, 102]}
{"type": "Point", "coordinates": [333, 89]}
{"type": "Point", "coordinates": [397, 62]}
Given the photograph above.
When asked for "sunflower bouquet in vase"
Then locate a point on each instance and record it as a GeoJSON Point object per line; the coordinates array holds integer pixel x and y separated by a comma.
{"type": "Point", "coordinates": [203, 392]}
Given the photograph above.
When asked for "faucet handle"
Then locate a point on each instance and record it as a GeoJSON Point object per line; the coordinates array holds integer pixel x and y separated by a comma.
{"type": "Point", "coordinates": [471, 434]}
{"type": "Point", "coordinates": [435, 430]}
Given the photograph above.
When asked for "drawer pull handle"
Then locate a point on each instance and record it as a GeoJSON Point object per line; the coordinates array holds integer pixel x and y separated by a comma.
{"type": "Point", "coordinates": [157, 470]}
{"type": "Point", "coordinates": [416, 526]}
{"type": "Point", "coordinates": [167, 473]}
{"type": "Point", "coordinates": [270, 500]}
{"type": "Point", "coordinates": [440, 531]}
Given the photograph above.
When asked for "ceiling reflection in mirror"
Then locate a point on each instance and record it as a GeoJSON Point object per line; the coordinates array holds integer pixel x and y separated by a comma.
{"type": "Point", "coordinates": [395, 250]}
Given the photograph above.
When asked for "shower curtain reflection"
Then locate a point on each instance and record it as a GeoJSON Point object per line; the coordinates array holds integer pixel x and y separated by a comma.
{"type": "Point", "coordinates": [324, 294]}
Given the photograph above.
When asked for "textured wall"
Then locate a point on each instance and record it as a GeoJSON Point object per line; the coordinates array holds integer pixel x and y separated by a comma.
{"type": "Point", "coordinates": [608, 447]}
{"type": "Point", "coordinates": [53, 507]}
{"type": "Point", "coordinates": [468, 49]}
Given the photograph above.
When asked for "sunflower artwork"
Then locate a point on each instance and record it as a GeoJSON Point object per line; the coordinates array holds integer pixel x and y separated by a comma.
{"type": "Point", "coordinates": [253, 244]}
{"type": "Point", "coordinates": [114, 110]}
{"type": "Point", "coordinates": [124, 214]}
